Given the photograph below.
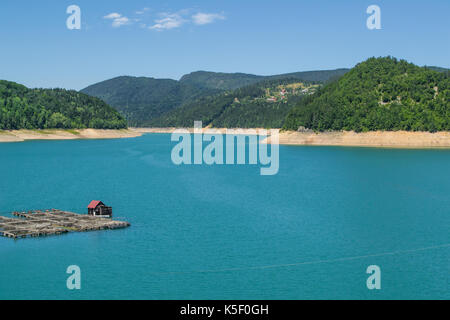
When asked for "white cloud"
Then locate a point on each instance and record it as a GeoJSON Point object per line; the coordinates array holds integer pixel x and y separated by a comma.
{"type": "Point", "coordinates": [118, 19]}
{"type": "Point", "coordinates": [206, 18]}
{"type": "Point", "coordinates": [168, 21]}
{"type": "Point", "coordinates": [120, 22]}
{"type": "Point", "coordinates": [113, 15]}
{"type": "Point", "coordinates": [142, 11]}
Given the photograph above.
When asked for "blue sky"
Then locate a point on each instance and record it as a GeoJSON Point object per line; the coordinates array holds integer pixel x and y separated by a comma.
{"type": "Point", "coordinates": [166, 39]}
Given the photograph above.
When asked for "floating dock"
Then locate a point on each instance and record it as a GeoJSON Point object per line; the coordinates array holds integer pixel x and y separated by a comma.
{"type": "Point", "coordinates": [53, 222]}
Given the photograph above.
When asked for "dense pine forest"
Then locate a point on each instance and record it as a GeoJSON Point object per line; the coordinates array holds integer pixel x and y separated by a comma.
{"type": "Point", "coordinates": [23, 108]}
{"type": "Point", "coordinates": [379, 94]}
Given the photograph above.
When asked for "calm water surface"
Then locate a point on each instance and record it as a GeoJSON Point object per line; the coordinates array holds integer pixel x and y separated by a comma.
{"type": "Point", "coordinates": [225, 232]}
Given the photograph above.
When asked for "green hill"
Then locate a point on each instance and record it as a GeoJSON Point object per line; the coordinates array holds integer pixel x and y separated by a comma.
{"type": "Point", "coordinates": [264, 104]}
{"type": "Point", "coordinates": [231, 81]}
{"type": "Point", "coordinates": [143, 100]}
{"type": "Point", "coordinates": [378, 94]}
{"type": "Point", "coordinates": [23, 108]}
{"type": "Point", "coordinates": [221, 81]}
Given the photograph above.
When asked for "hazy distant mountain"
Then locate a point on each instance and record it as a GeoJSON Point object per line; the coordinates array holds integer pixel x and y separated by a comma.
{"type": "Point", "coordinates": [439, 69]}
{"type": "Point", "coordinates": [142, 100]}
{"type": "Point", "coordinates": [322, 76]}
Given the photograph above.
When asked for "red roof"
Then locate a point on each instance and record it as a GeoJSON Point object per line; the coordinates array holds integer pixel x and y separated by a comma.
{"type": "Point", "coordinates": [94, 204]}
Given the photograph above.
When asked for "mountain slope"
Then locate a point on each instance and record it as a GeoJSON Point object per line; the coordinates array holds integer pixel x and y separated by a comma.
{"type": "Point", "coordinates": [221, 81]}
{"type": "Point", "coordinates": [264, 104]}
{"type": "Point", "coordinates": [23, 108]}
{"type": "Point", "coordinates": [378, 94]}
{"type": "Point", "coordinates": [231, 81]}
{"type": "Point", "coordinates": [142, 100]}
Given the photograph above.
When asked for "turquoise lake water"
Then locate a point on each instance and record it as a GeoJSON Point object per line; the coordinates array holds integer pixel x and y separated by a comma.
{"type": "Point", "coordinates": [225, 232]}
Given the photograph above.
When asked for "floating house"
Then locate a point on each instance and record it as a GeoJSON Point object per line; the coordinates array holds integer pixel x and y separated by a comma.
{"type": "Point", "coordinates": [99, 209]}
{"type": "Point", "coordinates": [39, 223]}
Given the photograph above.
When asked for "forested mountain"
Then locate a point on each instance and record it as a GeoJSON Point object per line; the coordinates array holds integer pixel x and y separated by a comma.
{"type": "Point", "coordinates": [23, 108]}
{"type": "Point", "coordinates": [264, 104]}
{"type": "Point", "coordinates": [379, 94]}
{"type": "Point", "coordinates": [142, 100]}
{"type": "Point", "coordinates": [218, 80]}
{"type": "Point", "coordinates": [231, 81]}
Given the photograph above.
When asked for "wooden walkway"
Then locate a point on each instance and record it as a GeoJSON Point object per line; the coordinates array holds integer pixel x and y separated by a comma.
{"type": "Point", "coordinates": [53, 222]}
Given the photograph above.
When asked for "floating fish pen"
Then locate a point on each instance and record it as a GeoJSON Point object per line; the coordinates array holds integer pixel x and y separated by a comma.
{"type": "Point", "coordinates": [53, 222]}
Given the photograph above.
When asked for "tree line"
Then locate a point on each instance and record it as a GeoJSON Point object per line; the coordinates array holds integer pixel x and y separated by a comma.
{"type": "Point", "coordinates": [23, 108]}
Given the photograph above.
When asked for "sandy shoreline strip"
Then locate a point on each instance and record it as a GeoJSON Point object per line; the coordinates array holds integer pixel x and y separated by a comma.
{"type": "Point", "coordinates": [388, 139]}
{"type": "Point", "coordinates": [191, 130]}
{"type": "Point", "coordinates": [52, 134]}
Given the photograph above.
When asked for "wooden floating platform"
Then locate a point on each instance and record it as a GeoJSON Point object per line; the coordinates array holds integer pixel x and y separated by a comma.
{"type": "Point", "coordinates": [53, 222]}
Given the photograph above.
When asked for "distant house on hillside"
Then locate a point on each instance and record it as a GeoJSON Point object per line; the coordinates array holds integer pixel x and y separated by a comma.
{"type": "Point", "coordinates": [99, 209]}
